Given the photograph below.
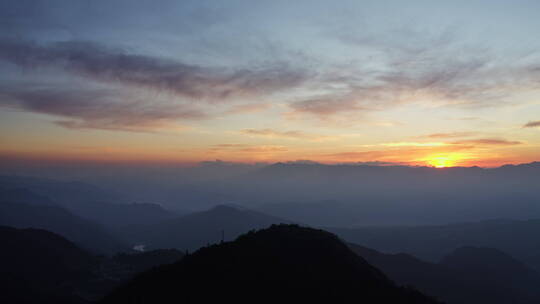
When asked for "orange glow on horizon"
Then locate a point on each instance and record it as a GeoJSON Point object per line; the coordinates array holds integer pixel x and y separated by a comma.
{"type": "Point", "coordinates": [441, 162]}
{"type": "Point", "coordinates": [258, 154]}
{"type": "Point", "coordinates": [445, 160]}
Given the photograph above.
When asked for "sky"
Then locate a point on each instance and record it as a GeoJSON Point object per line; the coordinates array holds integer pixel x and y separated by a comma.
{"type": "Point", "coordinates": [437, 83]}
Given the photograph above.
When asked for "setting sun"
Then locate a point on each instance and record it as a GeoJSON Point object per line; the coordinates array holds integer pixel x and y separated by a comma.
{"type": "Point", "coordinates": [444, 161]}
{"type": "Point", "coordinates": [441, 162]}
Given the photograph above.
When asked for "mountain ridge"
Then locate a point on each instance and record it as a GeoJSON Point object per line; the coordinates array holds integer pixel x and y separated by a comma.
{"type": "Point", "coordinates": [280, 264]}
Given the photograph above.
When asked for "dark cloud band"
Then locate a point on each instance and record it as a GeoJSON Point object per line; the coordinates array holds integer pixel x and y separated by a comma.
{"type": "Point", "coordinates": [107, 64]}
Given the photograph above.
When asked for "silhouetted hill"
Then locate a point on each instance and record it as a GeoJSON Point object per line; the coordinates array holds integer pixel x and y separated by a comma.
{"type": "Point", "coordinates": [198, 229]}
{"type": "Point", "coordinates": [517, 238]}
{"type": "Point", "coordinates": [429, 278]}
{"type": "Point", "coordinates": [38, 266]}
{"type": "Point", "coordinates": [281, 264]}
{"type": "Point", "coordinates": [458, 284]}
{"type": "Point", "coordinates": [41, 267]}
{"type": "Point", "coordinates": [485, 259]}
{"type": "Point", "coordinates": [138, 262]}
{"type": "Point", "coordinates": [499, 270]}
{"type": "Point", "coordinates": [83, 232]}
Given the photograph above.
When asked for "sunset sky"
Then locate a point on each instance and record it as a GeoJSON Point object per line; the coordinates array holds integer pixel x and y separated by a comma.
{"type": "Point", "coordinates": [439, 83]}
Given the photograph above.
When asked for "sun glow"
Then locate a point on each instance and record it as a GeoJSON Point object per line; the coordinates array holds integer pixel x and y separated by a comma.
{"type": "Point", "coordinates": [444, 161]}
{"type": "Point", "coordinates": [441, 162]}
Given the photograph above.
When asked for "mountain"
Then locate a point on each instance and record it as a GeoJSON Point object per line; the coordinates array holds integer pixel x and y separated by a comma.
{"type": "Point", "coordinates": [429, 278]}
{"type": "Point", "coordinates": [341, 195]}
{"type": "Point", "coordinates": [482, 259]}
{"type": "Point", "coordinates": [457, 279]}
{"type": "Point", "coordinates": [85, 233]}
{"type": "Point", "coordinates": [119, 216]}
{"type": "Point", "coordinates": [107, 208]}
{"type": "Point", "coordinates": [198, 229]}
{"type": "Point", "coordinates": [21, 195]}
{"type": "Point", "coordinates": [62, 192]}
{"type": "Point", "coordinates": [41, 267]}
{"type": "Point", "coordinates": [281, 264]}
{"type": "Point", "coordinates": [139, 262]}
{"type": "Point", "coordinates": [496, 268]}
{"type": "Point", "coordinates": [354, 195]}
{"type": "Point", "coordinates": [515, 237]}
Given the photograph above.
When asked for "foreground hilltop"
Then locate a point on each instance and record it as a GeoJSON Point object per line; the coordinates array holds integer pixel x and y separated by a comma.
{"type": "Point", "coordinates": [39, 266]}
{"type": "Point", "coordinates": [281, 264]}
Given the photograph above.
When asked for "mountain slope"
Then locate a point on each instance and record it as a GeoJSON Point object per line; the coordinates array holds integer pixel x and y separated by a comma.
{"type": "Point", "coordinates": [38, 266]}
{"type": "Point", "coordinates": [281, 264]}
{"type": "Point", "coordinates": [85, 233]}
{"type": "Point", "coordinates": [195, 230]}
{"type": "Point", "coordinates": [457, 280]}
{"type": "Point", "coordinates": [389, 195]}
{"type": "Point", "coordinates": [505, 276]}
{"type": "Point", "coordinates": [21, 195]}
{"type": "Point", "coordinates": [61, 192]}
{"type": "Point", "coordinates": [517, 238]}
{"type": "Point", "coordinates": [405, 269]}
{"type": "Point", "coordinates": [142, 261]}
{"type": "Point", "coordinates": [104, 207]}
{"type": "Point", "coordinates": [117, 217]}
{"type": "Point", "coordinates": [41, 267]}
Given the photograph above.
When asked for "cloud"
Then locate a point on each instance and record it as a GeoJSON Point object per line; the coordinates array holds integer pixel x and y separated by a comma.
{"type": "Point", "coordinates": [421, 69]}
{"type": "Point", "coordinates": [532, 124]}
{"type": "Point", "coordinates": [358, 155]}
{"type": "Point", "coordinates": [417, 152]}
{"type": "Point", "coordinates": [433, 72]}
{"type": "Point", "coordinates": [302, 162]}
{"type": "Point", "coordinates": [439, 84]}
{"type": "Point", "coordinates": [488, 142]}
{"type": "Point", "coordinates": [376, 163]}
{"type": "Point", "coordinates": [449, 135]}
{"type": "Point", "coordinates": [106, 64]}
{"type": "Point", "coordinates": [85, 108]}
{"type": "Point", "coordinates": [285, 134]}
{"type": "Point", "coordinates": [247, 108]}
{"type": "Point", "coordinates": [244, 148]}
{"type": "Point", "coordinates": [414, 144]}
{"type": "Point", "coordinates": [264, 149]}
{"type": "Point", "coordinates": [324, 106]}
{"type": "Point", "coordinates": [469, 143]}
{"type": "Point", "coordinates": [220, 146]}
{"type": "Point", "coordinates": [401, 155]}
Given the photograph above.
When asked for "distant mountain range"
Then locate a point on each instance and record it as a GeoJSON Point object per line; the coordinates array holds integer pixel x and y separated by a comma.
{"type": "Point", "coordinates": [304, 192]}
{"type": "Point", "coordinates": [464, 262]}
{"type": "Point", "coordinates": [348, 195]}
{"type": "Point", "coordinates": [281, 264]}
{"type": "Point", "coordinates": [467, 275]}
{"type": "Point", "coordinates": [351, 194]}
{"type": "Point", "coordinates": [517, 238]}
{"type": "Point", "coordinates": [85, 233]}
{"type": "Point", "coordinates": [199, 229]}
{"type": "Point", "coordinates": [104, 207]}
